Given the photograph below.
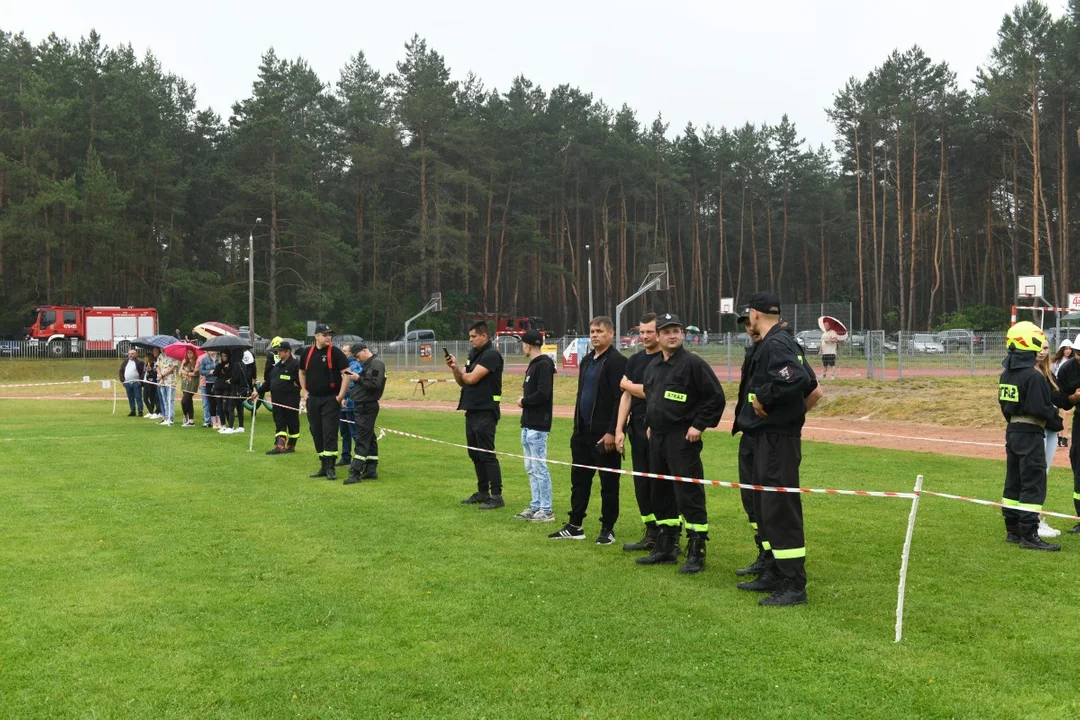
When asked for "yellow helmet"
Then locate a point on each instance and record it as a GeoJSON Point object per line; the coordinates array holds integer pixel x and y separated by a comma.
{"type": "Point", "coordinates": [1025, 336]}
{"type": "Point", "coordinates": [275, 342]}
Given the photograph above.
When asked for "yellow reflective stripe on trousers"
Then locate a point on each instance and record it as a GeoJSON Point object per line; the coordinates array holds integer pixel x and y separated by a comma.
{"type": "Point", "coordinates": [281, 434]}
{"type": "Point", "coordinates": [328, 453]}
{"type": "Point", "coordinates": [497, 398]}
{"type": "Point", "coordinates": [789, 553]}
{"type": "Point", "coordinates": [297, 435]}
{"type": "Point", "coordinates": [1029, 506]}
{"type": "Point", "coordinates": [698, 527]}
{"type": "Point", "coordinates": [1076, 496]}
{"type": "Point", "coordinates": [651, 517]}
{"type": "Point", "coordinates": [1010, 503]}
{"type": "Point", "coordinates": [670, 522]}
{"type": "Point", "coordinates": [753, 525]}
{"type": "Point", "coordinates": [765, 545]}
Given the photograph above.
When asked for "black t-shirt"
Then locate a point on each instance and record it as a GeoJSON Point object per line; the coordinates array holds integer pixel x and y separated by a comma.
{"type": "Point", "coordinates": [323, 378]}
{"type": "Point", "coordinates": [486, 394]}
{"type": "Point", "coordinates": [635, 373]}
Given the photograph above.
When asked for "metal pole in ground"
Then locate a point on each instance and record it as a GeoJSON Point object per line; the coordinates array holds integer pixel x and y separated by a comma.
{"type": "Point", "coordinates": [254, 412]}
{"type": "Point", "coordinates": [905, 555]}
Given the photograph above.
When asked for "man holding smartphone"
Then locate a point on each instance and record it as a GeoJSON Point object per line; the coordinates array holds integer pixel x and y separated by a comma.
{"type": "Point", "coordinates": [366, 390]}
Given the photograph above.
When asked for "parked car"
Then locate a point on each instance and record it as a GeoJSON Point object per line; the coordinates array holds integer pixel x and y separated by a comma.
{"type": "Point", "coordinates": [857, 340]}
{"type": "Point", "coordinates": [9, 344]}
{"type": "Point", "coordinates": [959, 339]}
{"type": "Point", "coordinates": [926, 343]}
{"type": "Point", "coordinates": [413, 341]}
{"type": "Point", "coordinates": [340, 341]}
{"type": "Point", "coordinates": [260, 344]}
{"type": "Point", "coordinates": [809, 340]}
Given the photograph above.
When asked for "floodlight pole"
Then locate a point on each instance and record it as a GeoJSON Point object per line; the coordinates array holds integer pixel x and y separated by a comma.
{"type": "Point", "coordinates": [588, 257]}
{"type": "Point", "coordinates": [435, 303]}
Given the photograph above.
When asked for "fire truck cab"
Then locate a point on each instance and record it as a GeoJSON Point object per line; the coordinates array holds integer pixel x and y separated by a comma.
{"type": "Point", "coordinates": [68, 329]}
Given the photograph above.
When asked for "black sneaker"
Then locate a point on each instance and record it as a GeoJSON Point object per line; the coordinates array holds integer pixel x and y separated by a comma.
{"type": "Point", "coordinates": [606, 537]}
{"type": "Point", "coordinates": [494, 503]}
{"type": "Point", "coordinates": [568, 532]}
{"type": "Point", "coordinates": [1075, 528]}
{"type": "Point", "coordinates": [1063, 442]}
{"type": "Point", "coordinates": [475, 499]}
{"type": "Point", "coordinates": [786, 595]}
{"type": "Point", "coordinates": [131, 414]}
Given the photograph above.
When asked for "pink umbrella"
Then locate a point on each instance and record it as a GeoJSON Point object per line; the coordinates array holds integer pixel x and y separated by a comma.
{"type": "Point", "coordinates": [215, 329]}
{"type": "Point", "coordinates": [177, 351]}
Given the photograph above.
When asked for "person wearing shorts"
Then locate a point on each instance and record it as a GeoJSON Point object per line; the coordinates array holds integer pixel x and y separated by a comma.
{"type": "Point", "coordinates": [829, 339]}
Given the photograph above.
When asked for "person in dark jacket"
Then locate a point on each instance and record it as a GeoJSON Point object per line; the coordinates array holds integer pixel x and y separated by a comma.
{"type": "Point", "coordinates": [773, 415]}
{"type": "Point", "coordinates": [131, 375]}
{"type": "Point", "coordinates": [365, 391]}
{"type": "Point", "coordinates": [1025, 399]}
{"type": "Point", "coordinates": [596, 413]}
{"type": "Point", "coordinates": [151, 394]}
{"type": "Point", "coordinates": [282, 380]}
{"type": "Point", "coordinates": [231, 381]}
{"type": "Point", "coordinates": [1068, 380]}
{"type": "Point", "coordinates": [683, 399]}
{"type": "Point", "coordinates": [535, 402]}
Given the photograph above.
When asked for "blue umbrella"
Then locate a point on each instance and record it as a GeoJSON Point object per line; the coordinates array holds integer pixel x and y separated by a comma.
{"type": "Point", "coordinates": [154, 341]}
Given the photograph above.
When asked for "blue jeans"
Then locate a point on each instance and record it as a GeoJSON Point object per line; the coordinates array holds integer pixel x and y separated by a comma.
{"type": "Point", "coordinates": [1051, 448]}
{"type": "Point", "coordinates": [534, 443]}
{"type": "Point", "coordinates": [167, 393]}
{"type": "Point", "coordinates": [134, 393]}
{"type": "Point", "coordinates": [348, 433]}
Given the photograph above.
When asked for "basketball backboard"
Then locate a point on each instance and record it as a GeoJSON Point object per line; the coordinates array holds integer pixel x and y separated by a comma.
{"type": "Point", "coordinates": [1029, 286]}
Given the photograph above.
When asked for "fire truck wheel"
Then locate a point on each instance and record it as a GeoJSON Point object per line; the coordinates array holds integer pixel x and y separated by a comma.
{"type": "Point", "coordinates": [56, 349]}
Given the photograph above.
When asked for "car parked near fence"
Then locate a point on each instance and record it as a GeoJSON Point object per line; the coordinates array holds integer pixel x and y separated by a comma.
{"type": "Point", "coordinates": [926, 343]}
{"type": "Point", "coordinates": [809, 340]}
{"type": "Point", "coordinates": [959, 339]}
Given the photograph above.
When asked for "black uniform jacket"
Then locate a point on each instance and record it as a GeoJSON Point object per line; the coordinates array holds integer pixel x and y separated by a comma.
{"type": "Point", "coordinates": [744, 380]}
{"type": "Point", "coordinates": [779, 379]}
{"type": "Point", "coordinates": [283, 382]}
{"type": "Point", "coordinates": [1022, 390]}
{"type": "Point", "coordinates": [680, 392]}
{"type": "Point", "coordinates": [536, 394]}
{"type": "Point", "coordinates": [368, 388]}
{"type": "Point", "coordinates": [605, 414]}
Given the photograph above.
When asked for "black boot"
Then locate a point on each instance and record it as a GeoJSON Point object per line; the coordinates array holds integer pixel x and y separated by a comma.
{"type": "Point", "coordinates": [786, 594]}
{"type": "Point", "coordinates": [695, 555]}
{"type": "Point", "coordinates": [355, 473]}
{"type": "Point", "coordinates": [755, 568]}
{"type": "Point", "coordinates": [1012, 533]}
{"type": "Point", "coordinates": [768, 581]}
{"type": "Point", "coordinates": [279, 447]}
{"type": "Point", "coordinates": [476, 498]}
{"type": "Point", "coordinates": [331, 473]}
{"type": "Point", "coordinates": [343, 461]}
{"type": "Point", "coordinates": [664, 552]}
{"type": "Point", "coordinates": [494, 503]}
{"type": "Point", "coordinates": [371, 469]}
{"type": "Point", "coordinates": [1034, 542]}
{"type": "Point", "coordinates": [322, 469]}
{"type": "Point", "coordinates": [647, 541]}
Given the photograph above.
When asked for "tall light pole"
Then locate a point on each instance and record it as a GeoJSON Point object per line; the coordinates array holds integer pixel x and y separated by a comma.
{"type": "Point", "coordinates": [251, 282]}
{"type": "Point", "coordinates": [588, 256]}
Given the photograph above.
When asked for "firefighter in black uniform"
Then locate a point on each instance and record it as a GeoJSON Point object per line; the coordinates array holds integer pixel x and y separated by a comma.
{"type": "Point", "coordinates": [751, 499]}
{"type": "Point", "coordinates": [1024, 395]}
{"type": "Point", "coordinates": [1068, 378]}
{"type": "Point", "coordinates": [632, 423]}
{"type": "Point", "coordinates": [773, 416]}
{"type": "Point", "coordinates": [481, 393]}
{"type": "Point", "coordinates": [683, 398]}
{"type": "Point", "coordinates": [321, 368]}
{"type": "Point", "coordinates": [282, 379]}
{"type": "Point", "coordinates": [367, 390]}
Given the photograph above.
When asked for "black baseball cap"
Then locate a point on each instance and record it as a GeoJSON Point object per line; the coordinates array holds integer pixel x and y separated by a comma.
{"type": "Point", "coordinates": [666, 320]}
{"type": "Point", "coordinates": [533, 337]}
{"type": "Point", "coordinates": [283, 345]}
{"type": "Point", "coordinates": [766, 302]}
{"type": "Point", "coordinates": [358, 346]}
{"type": "Point", "coordinates": [323, 329]}
{"type": "Point", "coordinates": [744, 314]}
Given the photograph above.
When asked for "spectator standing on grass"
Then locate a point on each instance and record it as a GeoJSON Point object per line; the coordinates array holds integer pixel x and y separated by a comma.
{"type": "Point", "coordinates": [166, 370]}
{"type": "Point", "coordinates": [596, 413]}
{"type": "Point", "coordinates": [365, 390]}
{"type": "Point", "coordinates": [131, 375]}
{"type": "Point", "coordinates": [151, 389]}
{"type": "Point", "coordinates": [683, 399]}
{"type": "Point", "coordinates": [1064, 354]}
{"type": "Point", "coordinates": [189, 385]}
{"type": "Point", "coordinates": [1027, 404]}
{"type": "Point", "coordinates": [537, 396]}
{"type": "Point", "coordinates": [774, 415]}
{"type": "Point", "coordinates": [207, 363]}
{"type": "Point", "coordinates": [323, 387]}
{"type": "Point", "coordinates": [632, 422]}
{"type": "Point", "coordinates": [1068, 379]}
{"type": "Point", "coordinates": [829, 340]}
{"type": "Point", "coordinates": [481, 392]}
{"type": "Point", "coordinates": [229, 376]}
{"type": "Point", "coordinates": [347, 423]}
{"type": "Point", "coordinates": [1060, 400]}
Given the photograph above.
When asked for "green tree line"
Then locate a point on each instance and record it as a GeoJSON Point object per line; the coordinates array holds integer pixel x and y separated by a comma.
{"type": "Point", "coordinates": [383, 187]}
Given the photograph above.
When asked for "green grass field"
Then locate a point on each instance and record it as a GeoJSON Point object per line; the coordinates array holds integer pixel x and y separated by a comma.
{"type": "Point", "coordinates": [166, 572]}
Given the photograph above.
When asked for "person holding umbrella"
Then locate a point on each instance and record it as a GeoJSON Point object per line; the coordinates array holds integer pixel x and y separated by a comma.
{"type": "Point", "coordinates": [321, 383]}
{"type": "Point", "coordinates": [832, 333]}
{"type": "Point", "coordinates": [189, 382]}
{"type": "Point", "coordinates": [151, 396]}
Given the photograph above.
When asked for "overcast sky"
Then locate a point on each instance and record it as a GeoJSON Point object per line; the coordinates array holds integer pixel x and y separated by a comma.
{"type": "Point", "coordinates": [721, 62]}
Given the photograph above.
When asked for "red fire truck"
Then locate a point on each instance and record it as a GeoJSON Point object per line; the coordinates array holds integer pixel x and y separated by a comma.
{"type": "Point", "coordinates": [504, 324]}
{"type": "Point", "coordinates": [67, 329]}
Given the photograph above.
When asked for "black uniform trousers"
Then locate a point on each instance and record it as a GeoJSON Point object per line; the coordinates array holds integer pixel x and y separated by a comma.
{"type": "Point", "coordinates": [367, 446]}
{"type": "Point", "coordinates": [480, 426]}
{"type": "Point", "coordinates": [588, 450]}
{"type": "Point", "coordinates": [676, 502]}
{"type": "Point", "coordinates": [639, 456]}
{"type": "Point", "coordinates": [779, 515]}
{"type": "Point", "coordinates": [324, 413]}
{"type": "Point", "coordinates": [750, 498]}
{"type": "Point", "coordinates": [1074, 459]}
{"type": "Point", "coordinates": [287, 420]}
{"type": "Point", "coordinates": [1025, 476]}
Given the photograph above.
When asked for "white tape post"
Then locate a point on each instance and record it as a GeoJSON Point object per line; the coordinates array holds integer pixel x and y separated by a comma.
{"type": "Point", "coordinates": [905, 555]}
{"type": "Point", "coordinates": [254, 412]}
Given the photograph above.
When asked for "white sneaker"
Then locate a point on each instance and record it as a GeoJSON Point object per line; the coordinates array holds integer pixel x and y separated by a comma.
{"type": "Point", "coordinates": [1045, 531]}
{"type": "Point", "coordinates": [225, 431]}
{"type": "Point", "coordinates": [169, 423]}
{"type": "Point", "coordinates": [152, 416]}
